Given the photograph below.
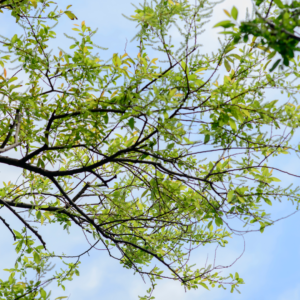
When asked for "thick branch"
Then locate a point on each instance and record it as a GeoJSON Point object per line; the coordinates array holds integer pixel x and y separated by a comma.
{"type": "Point", "coordinates": [58, 210]}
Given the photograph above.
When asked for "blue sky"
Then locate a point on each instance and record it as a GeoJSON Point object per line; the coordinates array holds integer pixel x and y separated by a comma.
{"type": "Point", "coordinates": [270, 265]}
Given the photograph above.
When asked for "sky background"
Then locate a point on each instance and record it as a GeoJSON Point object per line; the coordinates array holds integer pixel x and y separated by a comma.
{"type": "Point", "coordinates": [270, 265]}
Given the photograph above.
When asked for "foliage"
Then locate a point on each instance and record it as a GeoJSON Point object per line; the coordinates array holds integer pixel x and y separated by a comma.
{"type": "Point", "coordinates": [150, 159]}
{"type": "Point", "coordinates": [276, 25]}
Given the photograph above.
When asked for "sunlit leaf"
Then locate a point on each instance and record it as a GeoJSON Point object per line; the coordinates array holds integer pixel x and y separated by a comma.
{"type": "Point", "coordinates": [225, 24]}
{"type": "Point", "coordinates": [234, 12]}
{"type": "Point", "coordinates": [70, 15]}
{"type": "Point", "coordinates": [227, 13]}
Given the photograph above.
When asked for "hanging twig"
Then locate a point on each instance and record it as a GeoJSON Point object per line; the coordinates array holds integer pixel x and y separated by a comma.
{"type": "Point", "coordinates": [25, 223]}
{"type": "Point", "coordinates": [7, 225]}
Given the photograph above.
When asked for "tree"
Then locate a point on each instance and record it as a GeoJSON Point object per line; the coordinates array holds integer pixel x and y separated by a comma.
{"type": "Point", "coordinates": [275, 24]}
{"type": "Point", "coordinates": [118, 148]}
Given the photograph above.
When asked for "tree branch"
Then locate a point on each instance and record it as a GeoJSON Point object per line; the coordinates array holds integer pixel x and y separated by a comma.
{"type": "Point", "coordinates": [7, 225]}
{"type": "Point", "coordinates": [25, 223]}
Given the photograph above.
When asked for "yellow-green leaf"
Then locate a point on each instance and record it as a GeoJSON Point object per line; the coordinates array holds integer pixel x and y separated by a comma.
{"type": "Point", "coordinates": [204, 285]}
{"type": "Point", "coordinates": [71, 15]}
{"type": "Point", "coordinates": [172, 92]}
{"type": "Point", "coordinates": [229, 196]}
{"type": "Point", "coordinates": [227, 65]}
{"type": "Point", "coordinates": [271, 55]}
{"type": "Point", "coordinates": [224, 24]}
{"type": "Point", "coordinates": [179, 95]}
{"type": "Point", "coordinates": [114, 93]}
{"type": "Point", "coordinates": [234, 13]}
{"type": "Point", "coordinates": [264, 49]}
{"type": "Point", "coordinates": [227, 13]}
{"type": "Point", "coordinates": [275, 179]}
{"type": "Point", "coordinates": [232, 124]}
{"type": "Point", "coordinates": [228, 49]}
{"type": "Point", "coordinates": [201, 69]}
{"type": "Point", "coordinates": [153, 61]}
{"type": "Point", "coordinates": [36, 257]}
{"type": "Point", "coordinates": [206, 138]}
{"type": "Point", "coordinates": [241, 199]}
{"type": "Point", "coordinates": [34, 3]}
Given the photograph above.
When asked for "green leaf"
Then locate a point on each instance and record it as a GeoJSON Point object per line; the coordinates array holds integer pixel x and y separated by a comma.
{"type": "Point", "coordinates": [234, 13]}
{"type": "Point", "coordinates": [183, 64]}
{"type": "Point", "coordinates": [266, 64]}
{"type": "Point", "coordinates": [279, 3]}
{"type": "Point", "coordinates": [232, 124]}
{"type": "Point", "coordinates": [268, 201]}
{"type": "Point", "coordinates": [227, 13]}
{"type": "Point", "coordinates": [14, 39]}
{"type": "Point", "coordinates": [172, 92]}
{"type": "Point", "coordinates": [11, 278]}
{"type": "Point", "coordinates": [201, 69]}
{"type": "Point", "coordinates": [43, 294]}
{"type": "Point", "coordinates": [225, 24]}
{"type": "Point", "coordinates": [105, 118]}
{"type": "Point", "coordinates": [204, 285]}
{"type": "Point", "coordinates": [34, 3]}
{"type": "Point", "coordinates": [171, 146]}
{"type": "Point", "coordinates": [229, 196]}
{"type": "Point", "coordinates": [271, 55]}
{"type": "Point", "coordinates": [218, 221]}
{"type": "Point", "coordinates": [275, 179]}
{"type": "Point", "coordinates": [131, 123]}
{"type": "Point", "coordinates": [156, 90]}
{"type": "Point", "coordinates": [275, 65]}
{"type": "Point", "coordinates": [18, 234]}
{"type": "Point", "coordinates": [206, 138]}
{"type": "Point", "coordinates": [71, 15]}
{"type": "Point", "coordinates": [236, 56]}
{"type": "Point", "coordinates": [241, 199]}
{"type": "Point", "coordinates": [19, 246]}
{"type": "Point", "coordinates": [12, 79]}
{"type": "Point", "coordinates": [36, 257]}
{"type": "Point", "coordinates": [227, 65]}
{"type": "Point", "coordinates": [227, 32]}
{"type": "Point", "coordinates": [266, 49]}
{"type": "Point", "coordinates": [228, 49]}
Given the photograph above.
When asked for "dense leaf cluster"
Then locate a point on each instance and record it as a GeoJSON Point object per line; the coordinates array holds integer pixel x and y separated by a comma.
{"type": "Point", "coordinates": [276, 25]}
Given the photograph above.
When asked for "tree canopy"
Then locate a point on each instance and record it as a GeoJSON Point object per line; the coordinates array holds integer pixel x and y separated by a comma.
{"type": "Point", "coordinates": [151, 154]}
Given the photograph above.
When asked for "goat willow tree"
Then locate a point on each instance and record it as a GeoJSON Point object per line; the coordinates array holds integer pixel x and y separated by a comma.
{"type": "Point", "coordinates": [117, 149]}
